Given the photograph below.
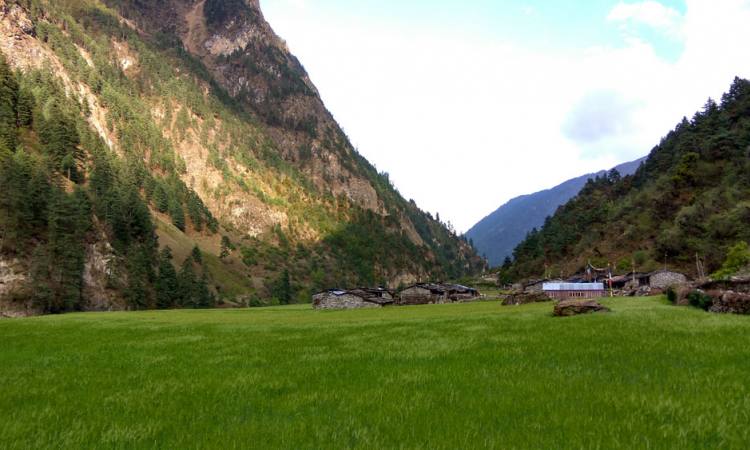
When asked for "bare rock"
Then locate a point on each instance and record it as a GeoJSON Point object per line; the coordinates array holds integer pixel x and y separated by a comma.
{"type": "Point", "coordinates": [576, 307]}
{"type": "Point", "coordinates": [730, 302]}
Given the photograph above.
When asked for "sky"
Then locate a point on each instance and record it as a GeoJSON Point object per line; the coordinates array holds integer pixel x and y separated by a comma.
{"type": "Point", "coordinates": [469, 103]}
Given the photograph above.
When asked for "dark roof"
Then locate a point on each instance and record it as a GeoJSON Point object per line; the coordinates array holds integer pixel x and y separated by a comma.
{"type": "Point", "coordinates": [372, 295]}
{"type": "Point", "coordinates": [441, 288]}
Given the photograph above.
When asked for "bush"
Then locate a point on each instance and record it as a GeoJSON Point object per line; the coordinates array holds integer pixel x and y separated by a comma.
{"type": "Point", "coordinates": [700, 299]}
{"type": "Point", "coordinates": [738, 258]}
{"type": "Point", "coordinates": [671, 295]}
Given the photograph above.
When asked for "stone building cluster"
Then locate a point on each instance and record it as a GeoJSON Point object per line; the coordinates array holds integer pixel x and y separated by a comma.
{"type": "Point", "coordinates": [418, 294]}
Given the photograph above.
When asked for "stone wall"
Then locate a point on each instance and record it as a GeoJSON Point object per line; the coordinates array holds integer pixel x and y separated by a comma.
{"type": "Point", "coordinates": [663, 280]}
{"type": "Point", "coordinates": [329, 300]}
{"type": "Point", "coordinates": [419, 296]}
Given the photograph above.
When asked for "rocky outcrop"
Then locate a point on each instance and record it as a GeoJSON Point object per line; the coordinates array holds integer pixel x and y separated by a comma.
{"type": "Point", "coordinates": [731, 303]}
{"type": "Point", "coordinates": [14, 299]}
{"type": "Point", "coordinates": [575, 307]}
{"type": "Point", "coordinates": [97, 274]}
{"type": "Point", "coordinates": [12, 276]}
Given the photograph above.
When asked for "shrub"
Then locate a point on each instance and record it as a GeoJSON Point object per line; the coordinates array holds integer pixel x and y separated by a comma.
{"type": "Point", "coordinates": [671, 295]}
{"type": "Point", "coordinates": [738, 258]}
{"type": "Point", "coordinates": [700, 299]}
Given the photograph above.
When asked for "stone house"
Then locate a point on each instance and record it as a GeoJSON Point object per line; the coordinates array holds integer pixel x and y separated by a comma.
{"type": "Point", "coordinates": [352, 299]}
{"type": "Point", "coordinates": [430, 293]}
{"type": "Point", "coordinates": [662, 279]}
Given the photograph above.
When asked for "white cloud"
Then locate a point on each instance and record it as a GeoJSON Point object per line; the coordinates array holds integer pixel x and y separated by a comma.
{"type": "Point", "coordinates": [650, 13]}
{"type": "Point", "coordinates": [463, 123]}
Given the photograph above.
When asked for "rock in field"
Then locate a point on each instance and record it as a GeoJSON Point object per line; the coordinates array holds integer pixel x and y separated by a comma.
{"type": "Point", "coordinates": [576, 307]}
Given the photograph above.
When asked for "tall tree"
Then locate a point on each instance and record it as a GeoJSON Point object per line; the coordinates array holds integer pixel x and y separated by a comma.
{"type": "Point", "coordinates": [167, 286]}
{"type": "Point", "coordinates": [8, 102]}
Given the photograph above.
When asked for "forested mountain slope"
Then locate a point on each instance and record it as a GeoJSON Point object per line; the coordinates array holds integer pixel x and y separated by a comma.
{"type": "Point", "coordinates": [498, 234]}
{"type": "Point", "coordinates": [689, 201]}
{"type": "Point", "coordinates": [174, 153]}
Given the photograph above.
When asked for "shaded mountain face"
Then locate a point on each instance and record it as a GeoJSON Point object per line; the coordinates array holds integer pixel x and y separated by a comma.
{"type": "Point", "coordinates": [498, 234]}
{"type": "Point", "coordinates": [685, 207]}
{"type": "Point", "coordinates": [195, 119]}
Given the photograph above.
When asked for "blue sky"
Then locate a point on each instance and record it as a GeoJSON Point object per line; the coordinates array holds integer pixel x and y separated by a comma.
{"type": "Point", "coordinates": [516, 96]}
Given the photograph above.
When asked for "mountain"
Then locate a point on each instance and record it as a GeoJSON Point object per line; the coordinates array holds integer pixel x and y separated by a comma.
{"type": "Point", "coordinates": [686, 205]}
{"type": "Point", "coordinates": [175, 153]}
{"type": "Point", "coordinates": [498, 234]}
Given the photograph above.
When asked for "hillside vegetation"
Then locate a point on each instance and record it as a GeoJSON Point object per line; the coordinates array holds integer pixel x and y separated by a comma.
{"type": "Point", "coordinates": [690, 200]}
{"type": "Point", "coordinates": [125, 134]}
{"type": "Point", "coordinates": [497, 235]}
{"type": "Point", "coordinates": [647, 375]}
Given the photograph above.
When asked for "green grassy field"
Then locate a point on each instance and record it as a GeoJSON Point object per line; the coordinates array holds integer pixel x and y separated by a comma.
{"type": "Point", "coordinates": [479, 375]}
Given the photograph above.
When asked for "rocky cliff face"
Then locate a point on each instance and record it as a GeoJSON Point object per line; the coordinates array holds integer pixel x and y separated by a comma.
{"type": "Point", "coordinates": [255, 67]}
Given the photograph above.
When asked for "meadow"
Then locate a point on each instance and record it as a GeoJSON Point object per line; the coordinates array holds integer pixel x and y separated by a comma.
{"type": "Point", "coordinates": [480, 375]}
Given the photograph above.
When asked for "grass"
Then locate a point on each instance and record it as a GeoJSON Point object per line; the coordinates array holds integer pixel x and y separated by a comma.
{"type": "Point", "coordinates": [648, 375]}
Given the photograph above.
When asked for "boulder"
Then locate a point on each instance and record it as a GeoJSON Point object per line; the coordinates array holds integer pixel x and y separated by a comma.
{"type": "Point", "coordinates": [524, 298]}
{"type": "Point", "coordinates": [681, 293]}
{"type": "Point", "coordinates": [576, 307]}
{"type": "Point", "coordinates": [731, 302]}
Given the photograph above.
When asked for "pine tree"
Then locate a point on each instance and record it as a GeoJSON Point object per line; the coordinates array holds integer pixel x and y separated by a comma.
{"type": "Point", "coordinates": [177, 214]}
{"type": "Point", "coordinates": [195, 210]}
{"type": "Point", "coordinates": [197, 255]}
{"type": "Point", "coordinates": [25, 108]}
{"type": "Point", "coordinates": [282, 288]}
{"type": "Point", "coordinates": [42, 296]}
{"type": "Point", "coordinates": [140, 274]}
{"type": "Point", "coordinates": [187, 284]}
{"type": "Point", "coordinates": [167, 286]}
{"type": "Point", "coordinates": [8, 102]}
{"type": "Point", "coordinates": [68, 224]}
{"type": "Point", "coordinates": [226, 247]}
{"type": "Point", "coordinates": [60, 140]}
{"type": "Point", "coordinates": [204, 297]}
{"type": "Point", "coordinates": [160, 199]}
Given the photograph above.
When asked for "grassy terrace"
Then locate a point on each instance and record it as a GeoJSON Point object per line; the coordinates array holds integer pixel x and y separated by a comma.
{"type": "Point", "coordinates": [648, 375]}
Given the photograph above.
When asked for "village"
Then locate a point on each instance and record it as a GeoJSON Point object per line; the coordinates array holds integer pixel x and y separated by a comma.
{"type": "Point", "coordinates": [575, 295]}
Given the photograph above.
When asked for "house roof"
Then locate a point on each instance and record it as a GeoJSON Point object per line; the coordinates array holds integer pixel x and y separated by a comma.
{"type": "Point", "coordinates": [573, 286]}
{"type": "Point", "coordinates": [441, 288]}
{"type": "Point", "coordinates": [373, 295]}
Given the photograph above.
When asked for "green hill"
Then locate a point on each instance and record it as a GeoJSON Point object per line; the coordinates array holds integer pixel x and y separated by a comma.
{"type": "Point", "coordinates": [689, 200]}
{"type": "Point", "coordinates": [129, 126]}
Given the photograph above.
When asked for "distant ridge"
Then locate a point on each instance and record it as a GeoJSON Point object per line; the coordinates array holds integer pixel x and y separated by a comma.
{"type": "Point", "coordinates": [498, 234]}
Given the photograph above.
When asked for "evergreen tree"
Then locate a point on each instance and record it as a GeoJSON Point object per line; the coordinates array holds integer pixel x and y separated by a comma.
{"type": "Point", "coordinates": [68, 223]}
{"type": "Point", "coordinates": [195, 210]}
{"type": "Point", "coordinates": [160, 199]}
{"type": "Point", "coordinates": [197, 255]}
{"type": "Point", "coordinates": [204, 297]}
{"type": "Point", "coordinates": [167, 286]}
{"type": "Point", "coordinates": [177, 214]}
{"type": "Point", "coordinates": [60, 141]}
{"type": "Point", "coordinates": [138, 263]}
{"type": "Point", "coordinates": [187, 282]}
{"type": "Point", "coordinates": [25, 108]}
{"type": "Point", "coordinates": [282, 288]}
{"type": "Point", "coordinates": [226, 247]}
{"type": "Point", "coordinates": [8, 102]}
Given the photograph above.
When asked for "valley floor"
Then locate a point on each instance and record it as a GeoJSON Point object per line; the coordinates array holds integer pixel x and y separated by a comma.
{"type": "Point", "coordinates": [479, 375]}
